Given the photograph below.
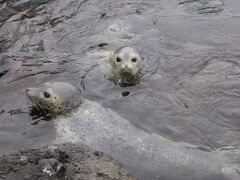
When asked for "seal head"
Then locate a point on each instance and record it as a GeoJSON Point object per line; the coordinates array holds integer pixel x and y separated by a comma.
{"type": "Point", "coordinates": [57, 97]}
{"type": "Point", "coordinates": [126, 65]}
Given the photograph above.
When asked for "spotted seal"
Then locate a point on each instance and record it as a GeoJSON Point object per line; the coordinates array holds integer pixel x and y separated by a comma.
{"type": "Point", "coordinates": [55, 97]}
{"type": "Point", "coordinates": [126, 66]}
{"type": "Point", "coordinates": [103, 129]}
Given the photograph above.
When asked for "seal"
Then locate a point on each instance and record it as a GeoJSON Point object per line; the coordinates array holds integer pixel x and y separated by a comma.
{"type": "Point", "coordinates": [55, 97]}
{"type": "Point", "coordinates": [104, 130]}
{"type": "Point", "coordinates": [126, 66]}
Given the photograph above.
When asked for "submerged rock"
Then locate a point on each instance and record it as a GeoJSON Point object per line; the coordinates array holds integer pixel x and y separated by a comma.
{"type": "Point", "coordinates": [203, 6]}
{"type": "Point", "coordinates": [63, 161]}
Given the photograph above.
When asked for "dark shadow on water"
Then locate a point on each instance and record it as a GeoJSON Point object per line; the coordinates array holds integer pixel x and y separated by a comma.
{"type": "Point", "coordinates": [39, 115]}
{"type": "Point", "coordinates": [3, 73]}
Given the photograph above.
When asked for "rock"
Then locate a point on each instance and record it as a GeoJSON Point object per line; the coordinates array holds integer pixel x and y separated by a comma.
{"type": "Point", "coordinates": [203, 6]}
{"type": "Point", "coordinates": [62, 161]}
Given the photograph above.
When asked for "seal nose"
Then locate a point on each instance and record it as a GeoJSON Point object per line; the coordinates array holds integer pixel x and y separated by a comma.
{"type": "Point", "coordinates": [28, 89]}
{"type": "Point", "coordinates": [125, 66]}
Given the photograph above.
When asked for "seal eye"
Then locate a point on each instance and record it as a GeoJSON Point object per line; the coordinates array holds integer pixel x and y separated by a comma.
{"type": "Point", "coordinates": [118, 59]}
{"type": "Point", "coordinates": [46, 94]}
{"type": "Point", "coordinates": [134, 60]}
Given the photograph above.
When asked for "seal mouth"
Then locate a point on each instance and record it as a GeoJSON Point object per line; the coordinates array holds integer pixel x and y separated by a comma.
{"type": "Point", "coordinates": [35, 102]}
{"type": "Point", "coordinates": [128, 78]}
{"type": "Point", "coordinates": [127, 73]}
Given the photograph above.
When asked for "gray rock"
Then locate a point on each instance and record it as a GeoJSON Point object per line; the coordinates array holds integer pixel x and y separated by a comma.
{"type": "Point", "coordinates": [63, 161]}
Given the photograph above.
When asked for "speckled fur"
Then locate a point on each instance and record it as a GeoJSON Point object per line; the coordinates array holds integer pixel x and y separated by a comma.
{"type": "Point", "coordinates": [64, 97]}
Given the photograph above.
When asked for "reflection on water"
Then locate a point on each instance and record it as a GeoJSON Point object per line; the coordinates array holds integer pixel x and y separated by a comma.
{"type": "Point", "coordinates": [190, 92]}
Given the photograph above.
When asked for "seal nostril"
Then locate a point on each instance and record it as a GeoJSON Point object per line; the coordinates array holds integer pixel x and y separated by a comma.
{"type": "Point", "coordinates": [124, 66]}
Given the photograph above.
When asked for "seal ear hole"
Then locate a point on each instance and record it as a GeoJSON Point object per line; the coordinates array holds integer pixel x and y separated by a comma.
{"type": "Point", "coordinates": [55, 97]}
{"type": "Point", "coordinates": [118, 59]}
{"type": "Point", "coordinates": [134, 59]}
{"type": "Point", "coordinates": [46, 94]}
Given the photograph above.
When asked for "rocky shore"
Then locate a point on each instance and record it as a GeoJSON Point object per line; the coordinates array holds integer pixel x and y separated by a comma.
{"type": "Point", "coordinates": [63, 161]}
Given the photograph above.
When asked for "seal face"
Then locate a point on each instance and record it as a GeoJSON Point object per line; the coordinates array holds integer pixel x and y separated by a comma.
{"type": "Point", "coordinates": [57, 97]}
{"type": "Point", "coordinates": [126, 66]}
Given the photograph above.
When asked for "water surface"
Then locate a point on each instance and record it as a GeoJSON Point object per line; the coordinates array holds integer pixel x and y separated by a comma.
{"type": "Point", "coordinates": [190, 95]}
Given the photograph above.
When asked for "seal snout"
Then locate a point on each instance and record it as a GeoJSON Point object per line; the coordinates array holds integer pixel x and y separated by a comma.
{"type": "Point", "coordinates": [29, 92]}
{"type": "Point", "coordinates": [28, 89]}
{"type": "Point", "coordinates": [126, 66]}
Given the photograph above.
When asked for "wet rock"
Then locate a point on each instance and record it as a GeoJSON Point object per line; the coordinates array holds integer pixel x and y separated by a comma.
{"type": "Point", "coordinates": [2, 111]}
{"type": "Point", "coordinates": [36, 47]}
{"type": "Point", "coordinates": [64, 161]}
{"type": "Point", "coordinates": [15, 111]}
{"type": "Point", "coordinates": [12, 7]}
{"type": "Point", "coordinates": [3, 73]}
{"type": "Point", "coordinates": [52, 167]}
{"type": "Point", "coordinates": [5, 63]}
{"type": "Point", "coordinates": [203, 6]}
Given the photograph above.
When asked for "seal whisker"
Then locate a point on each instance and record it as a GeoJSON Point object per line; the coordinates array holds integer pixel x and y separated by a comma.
{"type": "Point", "coordinates": [38, 104]}
{"type": "Point", "coordinates": [34, 102]}
{"type": "Point", "coordinates": [39, 107]}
